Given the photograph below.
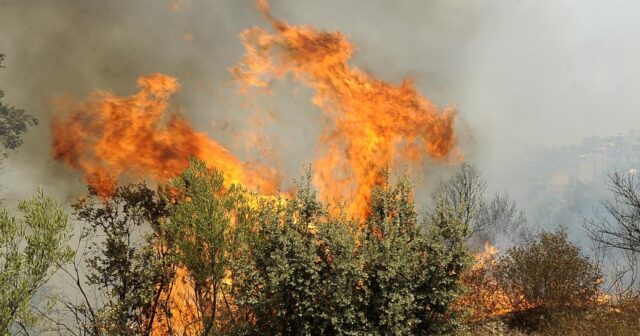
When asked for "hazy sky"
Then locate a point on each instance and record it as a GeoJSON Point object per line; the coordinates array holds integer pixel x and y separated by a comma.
{"type": "Point", "coordinates": [536, 72]}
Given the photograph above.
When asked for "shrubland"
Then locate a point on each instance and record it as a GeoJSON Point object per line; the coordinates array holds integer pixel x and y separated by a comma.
{"type": "Point", "coordinates": [196, 256]}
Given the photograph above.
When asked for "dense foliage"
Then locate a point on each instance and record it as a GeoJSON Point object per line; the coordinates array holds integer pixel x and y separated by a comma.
{"type": "Point", "coordinates": [305, 272]}
{"type": "Point", "coordinates": [202, 257]}
{"type": "Point", "coordinates": [32, 248]}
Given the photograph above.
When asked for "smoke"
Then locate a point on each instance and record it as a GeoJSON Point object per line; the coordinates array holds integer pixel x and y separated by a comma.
{"type": "Point", "coordinates": [520, 72]}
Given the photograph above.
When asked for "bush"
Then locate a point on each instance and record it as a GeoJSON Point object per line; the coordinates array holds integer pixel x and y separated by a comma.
{"type": "Point", "coordinates": [303, 271]}
{"type": "Point", "coordinates": [298, 273]}
{"type": "Point", "coordinates": [32, 248]}
{"type": "Point", "coordinates": [549, 274]}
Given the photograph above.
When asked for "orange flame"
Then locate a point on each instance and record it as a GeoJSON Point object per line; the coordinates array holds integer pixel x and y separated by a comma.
{"type": "Point", "coordinates": [373, 122]}
{"type": "Point", "coordinates": [181, 314]}
{"type": "Point", "coordinates": [108, 136]}
{"type": "Point", "coordinates": [485, 297]}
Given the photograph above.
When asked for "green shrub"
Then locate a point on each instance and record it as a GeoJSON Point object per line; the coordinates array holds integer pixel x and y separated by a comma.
{"type": "Point", "coordinates": [305, 272]}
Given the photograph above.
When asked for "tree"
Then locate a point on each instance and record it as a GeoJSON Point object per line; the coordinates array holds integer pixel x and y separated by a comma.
{"type": "Point", "coordinates": [122, 262]}
{"type": "Point", "coordinates": [200, 226]}
{"type": "Point", "coordinates": [495, 219]}
{"type": "Point", "coordinates": [621, 230]}
{"type": "Point", "coordinates": [464, 192]}
{"type": "Point", "coordinates": [32, 248]}
{"type": "Point", "coordinates": [499, 220]}
{"type": "Point", "coordinates": [300, 272]}
{"type": "Point", "coordinates": [550, 273]}
{"type": "Point", "coordinates": [13, 123]}
{"type": "Point", "coordinates": [618, 230]}
{"type": "Point", "coordinates": [412, 268]}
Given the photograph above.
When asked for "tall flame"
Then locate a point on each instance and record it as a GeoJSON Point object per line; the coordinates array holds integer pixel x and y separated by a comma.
{"type": "Point", "coordinates": [373, 122]}
{"type": "Point", "coordinates": [108, 136]}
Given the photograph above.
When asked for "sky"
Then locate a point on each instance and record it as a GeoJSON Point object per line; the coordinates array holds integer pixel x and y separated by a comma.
{"type": "Point", "coordinates": [521, 73]}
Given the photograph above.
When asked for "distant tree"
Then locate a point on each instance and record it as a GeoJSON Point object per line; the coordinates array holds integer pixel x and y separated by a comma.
{"type": "Point", "coordinates": [32, 248]}
{"type": "Point", "coordinates": [550, 273]}
{"type": "Point", "coordinates": [618, 230]}
{"type": "Point", "coordinates": [464, 192]}
{"type": "Point", "coordinates": [500, 220]}
{"type": "Point", "coordinates": [621, 229]}
{"type": "Point", "coordinates": [13, 123]}
{"type": "Point", "coordinates": [492, 219]}
{"type": "Point", "coordinates": [122, 271]}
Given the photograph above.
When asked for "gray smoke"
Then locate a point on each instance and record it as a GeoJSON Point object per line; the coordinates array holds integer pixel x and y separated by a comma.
{"type": "Point", "coordinates": [522, 73]}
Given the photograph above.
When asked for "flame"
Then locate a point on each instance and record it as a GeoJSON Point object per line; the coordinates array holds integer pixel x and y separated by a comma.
{"type": "Point", "coordinates": [485, 297]}
{"type": "Point", "coordinates": [181, 316]}
{"type": "Point", "coordinates": [372, 122]}
{"type": "Point", "coordinates": [108, 136]}
{"type": "Point", "coordinates": [181, 312]}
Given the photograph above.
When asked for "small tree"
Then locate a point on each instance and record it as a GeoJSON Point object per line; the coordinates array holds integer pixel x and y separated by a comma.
{"type": "Point", "coordinates": [300, 272]}
{"type": "Point", "coordinates": [121, 263]}
{"type": "Point", "coordinates": [31, 250]}
{"type": "Point", "coordinates": [413, 268]}
{"type": "Point", "coordinates": [444, 259]}
{"type": "Point", "coordinates": [202, 235]}
{"type": "Point", "coordinates": [277, 276]}
{"type": "Point", "coordinates": [550, 272]}
{"type": "Point", "coordinates": [464, 192]}
{"type": "Point", "coordinates": [497, 219]}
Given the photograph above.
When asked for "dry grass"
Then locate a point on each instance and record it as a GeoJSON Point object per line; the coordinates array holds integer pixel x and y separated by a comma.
{"type": "Point", "coordinates": [621, 319]}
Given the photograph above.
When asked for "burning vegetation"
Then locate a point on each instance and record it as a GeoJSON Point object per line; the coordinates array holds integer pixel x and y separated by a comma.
{"type": "Point", "coordinates": [217, 249]}
{"type": "Point", "coordinates": [109, 138]}
{"type": "Point", "coordinates": [372, 123]}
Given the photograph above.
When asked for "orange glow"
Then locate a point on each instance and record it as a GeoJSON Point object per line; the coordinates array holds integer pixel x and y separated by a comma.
{"type": "Point", "coordinates": [485, 298]}
{"type": "Point", "coordinates": [187, 37]}
{"type": "Point", "coordinates": [182, 316]}
{"type": "Point", "coordinates": [108, 137]}
{"type": "Point", "coordinates": [372, 122]}
{"type": "Point", "coordinates": [372, 125]}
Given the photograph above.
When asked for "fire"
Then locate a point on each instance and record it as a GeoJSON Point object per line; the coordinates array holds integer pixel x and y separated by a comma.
{"type": "Point", "coordinates": [485, 297]}
{"type": "Point", "coordinates": [372, 122]}
{"type": "Point", "coordinates": [372, 125]}
{"type": "Point", "coordinates": [181, 313]}
{"type": "Point", "coordinates": [108, 136]}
